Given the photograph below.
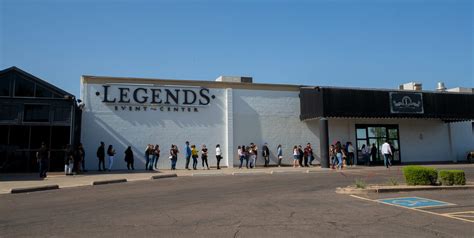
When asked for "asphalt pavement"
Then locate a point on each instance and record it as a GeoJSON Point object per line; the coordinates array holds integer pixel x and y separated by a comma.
{"type": "Point", "coordinates": [250, 205]}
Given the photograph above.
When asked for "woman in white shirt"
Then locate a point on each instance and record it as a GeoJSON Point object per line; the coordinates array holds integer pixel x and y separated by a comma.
{"type": "Point", "coordinates": [296, 155]}
{"type": "Point", "coordinates": [218, 155]}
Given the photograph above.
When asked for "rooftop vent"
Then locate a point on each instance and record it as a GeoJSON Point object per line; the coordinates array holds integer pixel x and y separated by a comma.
{"type": "Point", "coordinates": [234, 79]}
{"type": "Point", "coordinates": [411, 86]}
{"type": "Point", "coordinates": [441, 87]}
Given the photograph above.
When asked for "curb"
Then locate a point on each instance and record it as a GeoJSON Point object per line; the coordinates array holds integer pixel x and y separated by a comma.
{"type": "Point", "coordinates": [109, 181]}
{"type": "Point", "coordinates": [163, 176]}
{"type": "Point", "coordinates": [288, 172]}
{"type": "Point", "coordinates": [250, 173]}
{"type": "Point", "coordinates": [404, 189]}
{"type": "Point", "coordinates": [34, 189]}
{"type": "Point", "coordinates": [208, 174]}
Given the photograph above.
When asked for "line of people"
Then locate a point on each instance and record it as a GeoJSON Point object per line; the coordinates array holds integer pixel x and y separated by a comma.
{"type": "Point", "coordinates": [340, 154]}
{"type": "Point", "coordinates": [152, 156]}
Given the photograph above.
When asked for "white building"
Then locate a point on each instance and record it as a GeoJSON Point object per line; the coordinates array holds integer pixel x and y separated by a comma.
{"type": "Point", "coordinates": [233, 111]}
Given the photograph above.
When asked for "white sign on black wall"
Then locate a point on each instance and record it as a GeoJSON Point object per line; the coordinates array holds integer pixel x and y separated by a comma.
{"type": "Point", "coordinates": [404, 102]}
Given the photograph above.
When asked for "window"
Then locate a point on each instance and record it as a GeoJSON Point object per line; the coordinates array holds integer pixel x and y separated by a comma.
{"type": "Point", "coordinates": [19, 136]}
{"type": "Point", "coordinates": [36, 113]}
{"type": "Point", "coordinates": [4, 132]}
{"type": "Point", "coordinates": [62, 114]}
{"type": "Point", "coordinates": [8, 112]}
{"type": "Point", "coordinates": [59, 137]}
{"type": "Point", "coordinates": [39, 134]}
{"type": "Point", "coordinates": [24, 88]}
{"type": "Point", "coordinates": [5, 85]}
{"type": "Point", "coordinates": [42, 92]}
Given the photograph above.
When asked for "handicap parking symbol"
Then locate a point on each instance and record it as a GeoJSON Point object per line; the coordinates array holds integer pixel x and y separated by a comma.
{"type": "Point", "coordinates": [414, 202]}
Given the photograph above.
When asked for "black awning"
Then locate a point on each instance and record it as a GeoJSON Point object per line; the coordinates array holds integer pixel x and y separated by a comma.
{"type": "Point", "coordinates": [328, 102]}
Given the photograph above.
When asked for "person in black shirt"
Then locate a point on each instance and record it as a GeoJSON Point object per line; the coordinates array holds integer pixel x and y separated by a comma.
{"type": "Point", "coordinates": [373, 154]}
{"type": "Point", "coordinates": [101, 156]}
{"type": "Point", "coordinates": [129, 158]}
{"type": "Point", "coordinates": [300, 156]}
{"type": "Point", "coordinates": [43, 160]}
{"type": "Point", "coordinates": [266, 154]}
{"type": "Point", "coordinates": [204, 156]}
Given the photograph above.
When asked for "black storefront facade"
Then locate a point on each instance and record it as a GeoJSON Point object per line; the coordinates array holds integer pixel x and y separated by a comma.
{"type": "Point", "coordinates": [33, 111]}
{"type": "Point", "coordinates": [372, 106]}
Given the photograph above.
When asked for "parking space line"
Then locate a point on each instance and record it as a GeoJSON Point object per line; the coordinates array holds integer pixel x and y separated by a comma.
{"type": "Point", "coordinates": [415, 209]}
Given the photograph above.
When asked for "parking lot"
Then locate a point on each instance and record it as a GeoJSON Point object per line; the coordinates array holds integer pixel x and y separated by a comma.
{"type": "Point", "coordinates": [269, 205]}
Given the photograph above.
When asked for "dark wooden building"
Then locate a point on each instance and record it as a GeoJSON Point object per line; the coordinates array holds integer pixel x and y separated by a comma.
{"type": "Point", "coordinates": [33, 111]}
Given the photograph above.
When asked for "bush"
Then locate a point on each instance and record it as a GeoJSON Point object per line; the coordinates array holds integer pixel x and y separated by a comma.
{"type": "Point", "coordinates": [419, 175]}
{"type": "Point", "coordinates": [451, 177]}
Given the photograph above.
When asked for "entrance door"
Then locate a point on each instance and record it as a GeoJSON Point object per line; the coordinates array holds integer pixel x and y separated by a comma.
{"type": "Point", "coordinates": [376, 135]}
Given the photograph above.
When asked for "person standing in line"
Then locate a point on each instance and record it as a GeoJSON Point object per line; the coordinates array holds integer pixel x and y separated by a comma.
{"type": "Point", "coordinates": [245, 154]}
{"type": "Point", "coordinates": [42, 157]}
{"type": "Point", "coordinates": [82, 155]}
{"type": "Point", "coordinates": [296, 156]}
{"type": "Point", "coordinates": [78, 158]}
{"type": "Point", "coordinates": [69, 160]}
{"type": "Point", "coordinates": [148, 153]}
{"type": "Point", "coordinates": [129, 158]}
{"type": "Point", "coordinates": [252, 157]}
{"type": "Point", "coordinates": [174, 156]}
{"type": "Point", "coordinates": [344, 155]}
{"type": "Point", "coordinates": [255, 154]}
{"type": "Point", "coordinates": [338, 151]}
{"type": "Point", "coordinates": [373, 154]}
{"type": "Point", "coordinates": [332, 156]}
{"type": "Point", "coordinates": [111, 154]}
{"type": "Point", "coordinates": [187, 154]}
{"type": "Point", "coordinates": [266, 154]}
{"type": "Point", "coordinates": [300, 156]}
{"type": "Point", "coordinates": [310, 154]}
{"type": "Point", "coordinates": [306, 155]}
{"type": "Point", "coordinates": [279, 155]}
{"type": "Point", "coordinates": [387, 153]}
{"type": "Point", "coordinates": [195, 156]}
{"type": "Point", "coordinates": [218, 156]}
{"type": "Point", "coordinates": [365, 154]}
{"type": "Point", "coordinates": [156, 156]}
{"type": "Point", "coordinates": [241, 157]}
{"type": "Point", "coordinates": [350, 153]}
{"type": "Point", "coordinates": [204, 156]}
{"type": "Point", "coordinates": [101, 156]}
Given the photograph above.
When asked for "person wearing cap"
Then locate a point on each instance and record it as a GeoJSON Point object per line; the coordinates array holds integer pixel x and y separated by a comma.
{"type": "Point", "coordinates": [42, 157]}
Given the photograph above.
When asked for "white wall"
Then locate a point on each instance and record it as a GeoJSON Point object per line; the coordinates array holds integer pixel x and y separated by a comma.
{"type": "Point", "coordinates": [271, 117]}
{"type": "Point", "coordinates": [139, 128]}
{"type": "Point", "coordinates": [432, 145]}
{"type": "Point", "coordinates": [463, 139]}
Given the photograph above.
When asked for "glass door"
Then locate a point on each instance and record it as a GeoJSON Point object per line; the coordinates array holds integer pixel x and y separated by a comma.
{"type": "Point", "coordinates": [372, 138]}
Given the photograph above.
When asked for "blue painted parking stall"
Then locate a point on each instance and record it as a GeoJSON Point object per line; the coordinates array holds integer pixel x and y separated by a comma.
{"type": "Point", "coordinates": [414, 202]}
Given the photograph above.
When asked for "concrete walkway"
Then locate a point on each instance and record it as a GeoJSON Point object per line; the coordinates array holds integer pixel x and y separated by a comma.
{"type": "Point", "coordinates": [9, 182]}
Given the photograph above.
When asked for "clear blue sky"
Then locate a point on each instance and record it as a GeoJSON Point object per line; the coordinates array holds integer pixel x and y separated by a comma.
{"type": "Point", "coordinates": [368, 43]}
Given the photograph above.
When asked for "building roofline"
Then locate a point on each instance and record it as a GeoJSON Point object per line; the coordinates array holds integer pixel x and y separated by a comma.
{"type": "Point", "coordinates": [203, 83]}
{"type": "Point", "coordinates": [236, 85]}
{"type": "Point", "coordinates": [40, 81]}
